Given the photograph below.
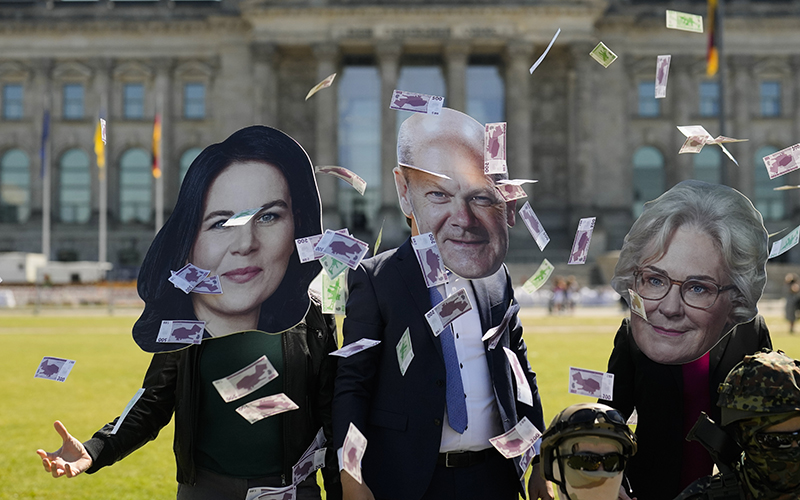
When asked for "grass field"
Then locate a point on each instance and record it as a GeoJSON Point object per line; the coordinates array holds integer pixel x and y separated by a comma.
{"type": "Point", "coordinates": [110, 368]}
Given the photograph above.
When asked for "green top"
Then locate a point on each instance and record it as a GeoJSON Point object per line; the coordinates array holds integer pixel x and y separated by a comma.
{"type": "Point", "coordinates": [226, 442]}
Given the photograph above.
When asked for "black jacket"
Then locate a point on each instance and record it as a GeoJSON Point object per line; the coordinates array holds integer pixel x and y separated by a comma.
{"type": "Point", "coordinates": [171, 386]}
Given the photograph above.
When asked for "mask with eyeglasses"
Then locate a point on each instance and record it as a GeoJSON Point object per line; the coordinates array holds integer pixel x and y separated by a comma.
{"type": "Point", "coordinates": [588, 461]}
{"type": "Point", "coordinates": [696, 293]}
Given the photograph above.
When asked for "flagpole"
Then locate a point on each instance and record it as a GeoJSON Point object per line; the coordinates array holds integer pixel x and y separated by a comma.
{"type": "Point", "coordinates": [45, 159]}
{"type": "Point", "coordinates": [102, 249]}
{"type": "Point", "coordinates": [725, 177]}
{"type": "Point", "coordinates": [159, 188]}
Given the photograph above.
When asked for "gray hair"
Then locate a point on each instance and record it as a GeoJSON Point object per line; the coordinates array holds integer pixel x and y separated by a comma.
{"type": "Point", "coordinates": [723, 213]}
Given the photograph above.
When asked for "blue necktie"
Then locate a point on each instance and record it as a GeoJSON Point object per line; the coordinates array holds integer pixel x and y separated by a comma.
{"type": "Point", "coordinates": [454, 391]}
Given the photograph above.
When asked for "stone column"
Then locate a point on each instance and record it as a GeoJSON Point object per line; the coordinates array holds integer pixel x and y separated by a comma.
{"type": "Point", "coordinates": [388, 61]}
{"type": "Point", "coordinates": [42, 83]}
{"type": "Point", "coordinates": [680, 167]}
{"type": "Point", "coordinates": [580, 108]}
{"type": "Point", "coordinates": [265, 85]}
{"type": "Point", "coordinates": [518, 109]}
{"type": "Point", "coordinates": [741, 85]}
{"type": "Point", "coordinates": [456, 56]}
{"type": "Point", "coordinates": [326, 121]}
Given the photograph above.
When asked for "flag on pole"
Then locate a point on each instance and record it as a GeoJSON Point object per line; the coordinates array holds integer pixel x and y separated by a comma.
{"type": "Point", "coordinates": [45, 135]}
{"type": "Point", "coordinates": [100, 145]}
{"type": "Point", "coordinates": [712, 55]}
{"type": "Point", "coordinates": [157, 146]}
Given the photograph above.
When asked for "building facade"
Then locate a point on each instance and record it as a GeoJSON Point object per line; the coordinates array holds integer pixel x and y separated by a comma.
{"type": "Point", "coordinates": [595, 138]}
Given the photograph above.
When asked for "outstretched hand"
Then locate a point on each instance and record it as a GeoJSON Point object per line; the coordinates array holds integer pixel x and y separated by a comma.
{"type": "Point", "coordinates": [69, 460]}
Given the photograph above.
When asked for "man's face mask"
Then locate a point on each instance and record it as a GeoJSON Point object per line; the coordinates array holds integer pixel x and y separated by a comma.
{"type": "Point", "coordinates": [592, 467]}
{"type": "Point", "coordinates": [772, 459]}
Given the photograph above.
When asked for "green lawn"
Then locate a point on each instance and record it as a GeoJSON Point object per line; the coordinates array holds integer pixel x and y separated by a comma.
{"type": "Point", "coordinates": [110, 368]}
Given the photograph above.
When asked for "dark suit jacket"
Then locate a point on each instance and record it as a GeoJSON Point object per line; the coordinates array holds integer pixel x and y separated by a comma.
{"type": "Point", "coordinates": [656, 391]}
{"type": "Point", "coordinates": [402, 416]}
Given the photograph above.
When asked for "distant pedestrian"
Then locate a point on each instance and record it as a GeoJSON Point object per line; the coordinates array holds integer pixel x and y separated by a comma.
{"type": "Point", "coordinates": [792, 294]}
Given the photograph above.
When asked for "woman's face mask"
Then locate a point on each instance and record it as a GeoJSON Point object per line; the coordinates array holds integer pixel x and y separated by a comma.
{"type": "Point", "coordinates": [585, 484]}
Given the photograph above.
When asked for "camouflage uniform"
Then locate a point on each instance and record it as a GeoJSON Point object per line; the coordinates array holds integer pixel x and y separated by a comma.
{"type": "Point", "coordinates": [762, 390]}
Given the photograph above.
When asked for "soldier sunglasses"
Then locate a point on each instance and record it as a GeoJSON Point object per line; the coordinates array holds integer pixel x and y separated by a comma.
{"type": "Point", "coordinates": [611, 462]}
{"type": "Point", "coordinates": [778, 440]}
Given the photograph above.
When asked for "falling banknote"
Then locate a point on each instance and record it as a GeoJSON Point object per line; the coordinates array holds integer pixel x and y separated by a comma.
{"type": "Point", "coordinates": [405, 351]}
{"type": "Point", "coordinates": [181, 332]}
{"type": "Point", "coordinates": [524, 393]}
{"type": "Point", "coordinates": [266, 407]}
{"type": "Point", "coordinates": [209, 286]}
{"type": "Point", "coordinates": [699, 130]}
{"type": "Point", "coordinates": [418, 103]}
{"type": "Point", "coordinates": [342, 247]}
{"type": "Point", "coordinates": [324, 84]}
{"type": "Point", "coordinates": [693, 144]}
{"type": "Point", "coordinates": [355, 347]}
{"type": "Point", "coordinates": [308, 464]}
{"type": "Point", "coordinates": [784, 244]}
{"type": "Point", "coordinates": [534, 226]}
{"type": "Point", "coordinates": [517, 440]}
{"type": "Point", "coordinates": [355, 444]}
{"type": "Point", "coordinates": [662, 74]}
{"type": "Point", "coordinates": [603, 55]}
{"type": "Point", "coordinates": [583, 236]}
{"type": "Point", "coordinates": [333, 268]}
{"type": "Point", "coordinates": [247, 380]}
{"type": "Point", "coordinates": [591, 383]}
{"type": "Point", "coordinates": [637, 304]}
{"type": "Point", "coordinates": [54, 368]}
{"type": "Point", "coordinates": [494, 334]}
{"type": "Point", "coordinates": [430, 259]}
{"type": "Point", "coordinates": [683, 21]}
{"type": "Point", "coordinates": [242, 218]}
{"type": "Point", "coordinates": [188, 277]}
{"type": "Point", "coordinates": [511, 189]}
{"type": "Point", "coordinates": [784, 161]}
{"type": "Point", "coordinates": [305, 248]}
{"type": "Point", "coordinates": [344, 174]}
{"type": "Point", "coordinates": [541, 57]}
{"type": "Point", "coordinates": [334, 293]}
{"type": "Point", "coordinates": [494, 148]}
{"type": "Point", "coordinates": [540, 277]}
{"type": "Point", "coordinates": [448, 310]}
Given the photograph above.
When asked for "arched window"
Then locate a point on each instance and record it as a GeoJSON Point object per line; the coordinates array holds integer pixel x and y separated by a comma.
{"type": "Point", "coordinates": [75, 195]}
{"type": "Point", "coordinates": [768, 201]}
{"type": "Point", "coordinates": [428, 79]}
{"type": "Point", "coordinates": [15, 187]}
{"type": "Point", "coordinates": [187, 158]}
{"type": "Point", "coordinates": [485, 93]}
{"type": "Point", "coordinates": [707, 164]}
{"type": "Point", "coordinates": [135, 186]}
{"type": "Point", "coordinates": [648, 177]}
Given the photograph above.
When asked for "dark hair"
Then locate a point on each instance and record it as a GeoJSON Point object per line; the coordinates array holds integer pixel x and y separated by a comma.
{"type": "Point", "coordinates": [170, 249]}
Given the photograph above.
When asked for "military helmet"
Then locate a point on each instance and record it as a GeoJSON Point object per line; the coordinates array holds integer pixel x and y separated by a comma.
{"type": "Point", "coordinates": [767, 382]}
{"type": "Point", "coordinates": [585, 419]}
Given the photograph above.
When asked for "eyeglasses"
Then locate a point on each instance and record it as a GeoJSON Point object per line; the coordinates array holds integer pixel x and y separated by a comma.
{"type": "Point", "coordinates": [611, 462]}
{"type": "Point", "coordinates": [778, 440]}
{"type": "Point", "coordinates": [590, 415]}
{"type": "Point", "coordinates": [699, 294]}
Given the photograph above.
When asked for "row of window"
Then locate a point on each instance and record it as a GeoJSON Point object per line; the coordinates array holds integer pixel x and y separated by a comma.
{"type": "Point", "coordinates": [74, 185]}
{"type": "Point", "coordinates": [708, 99]}
{"type": "Point", "coordinates": [73, 97]}
{"type": "Point", "coordinates": [649, 179]}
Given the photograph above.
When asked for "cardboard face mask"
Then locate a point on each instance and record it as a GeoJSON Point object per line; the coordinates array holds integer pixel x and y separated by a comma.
{"type": "Point", "coordinates": [674, 260]}
{"type": "Point", "coordinates": [584, 484]}
{"type": "Point", "coordinates": [226, 260]}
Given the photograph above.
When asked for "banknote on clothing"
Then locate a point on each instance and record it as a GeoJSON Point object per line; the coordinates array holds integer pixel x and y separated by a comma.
{"type": "Point", "coordinates": [188, 277]}
{"type": "Point", "coordinates": [494, 148]}
{"type": "Point", "coordinates": [276, 493]}
{"type": "Point", "coordinates": [583, 236]}
{"type": "Point", "coordinates": [247, 380]}
{"type": "Point", "coordinates": [517, 440]}
{"type": "Point", "coordinates": [127, 410]}
{"type": "Point", "coordinates": [324, 84]}
{"type": "Point", "coordinates": [242, 218]}
{"type": "Point", "coordinates": [405, 352]}
{"type": "Point", "coordinates": [266, 407]}
{"type": "Point", "coordinates": [784, 161]}
{"type": "Point", "coordinates": [662, 74]}
{"type": "Point", "coordinates": [534, 226]}
{"type": "Point", "coordinates": [591, 383]}
{"type": "Point", "coordinates": [355, 347]}
{"type": "Point", "coordinates": [430, 259]}
{"type": "Point", "coordinates": [524, 392]}
{"type": "Point", "coordinates": [448, 310]}
{"type": "Point", "coordinates": [355, 444]}
{"type": "Point", "coordinates": [346, 175]}
{"type": "Point", "coordinates": [539, 278]}
{"type": "Point", "coordinates": [181, 331]}
{"type": "Point", "coordinates": [418, 103]}
{"type": "Point", "coordinates": [342, 247]}
{"type": "Point", "coordinates": [52, 368]}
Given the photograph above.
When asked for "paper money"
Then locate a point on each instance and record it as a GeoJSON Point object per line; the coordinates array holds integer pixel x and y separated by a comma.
{"type": "Point", "coordinates": [634, 418]}
{"type": "Point", "coordinates": [333, 268]}
{"type": "Point", "coordinates": [516, 182]}
{"type": "Point", "coordinates": [266, 407]}
{"type": "Point", "coordinates": [603, 55]}
{"type": "Point", "coordinates": [580, 247]}
{"type": "Point", "coordinates": [247, 380]}
{"type": "Point", "coordinates": [342, 247]}
{"type": "Point", "coordinates": [305, 248]}
{"type": "Point", "coordinates": [308, 464]}
{"type": "Point", "coordinates": [346, 175]}
{"type": "Point", "coordinates": [355, 347]}
{"type": "Point", "coordinates": [209, 286]}
{"type": "Point", "coordinates": [540, 277]}
{"type": "Point", "coordinates": [181, 331]}
{"type": "Point", "coordinates": [355, 444]}
{"type": "Point", "coordinates": [784, 244]}
{"type": "Point", "coordinates": [637, 304]}
{"type": "Point", "coordinates": [510, 192]}
{"type": "Point", "coordinates": [524, 393]}
{"type": "Point", "coordinates": [541, 57]}
{"type": "Point", "coordinates": [418, 103]}
{"type": "Point", "coordinates": [242, 218]}
{"type": "Point", "coordinates": [188, 277]}
{"type": "Point", "coordinates": [784, 161]}
{"type": "Point", "coordinates": [693, 144]}
{"type": "Point", "coordinates": [334, 293]}
{"type": "Point", "coordinates": [317, 443]}
{"type": "Point", "coordinates": [526, 459]}
{"type": "Point", "coordinates": [127, 410]}
{"type": "Point", "coordinates": [517, 440]}
{"type": "Point", "coordinates": [324, 84]}
{"type": "Point", "coordinates": [721, 139]}
{"type": "Point", "coordinates": [786, 188]}
{"type": "Point", "coordinates": [494, 148]}
{"type": "Point", "coordinates": [54, 368]}
{"type": "Point", "coordinates": [662, 74]}
{"type": "Point", "coordinates": [276, 493]}
{"type": "Point", "coordinates": [429, 172]}
{"type": "Point", "coordinates": [103, 130]}
{"type": "Point", "coordinates": [699, 130]}
{"type": "Point", "coordinates": [405, 352]}
{"type": "Point", "coordinates": [494, 334]}
{"type": "Point", "coordinates": [448, 310]}
{"type": "Point", "coordinates": [683, 21]}
{"type": "Point", "coordinates": [591, 383]}
{"type": "Point", "coordinates": [534, 226]}
{"type": "Point", "coordinates": [430, 259]}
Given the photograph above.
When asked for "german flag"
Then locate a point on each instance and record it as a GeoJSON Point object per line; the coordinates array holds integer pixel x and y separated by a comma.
{"type": "Point", "coordinates": [712, 55]}
{"type": "Point", "coordinates": [157, 146]}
